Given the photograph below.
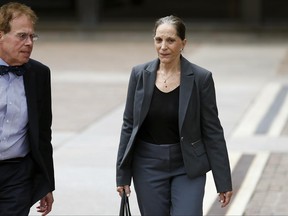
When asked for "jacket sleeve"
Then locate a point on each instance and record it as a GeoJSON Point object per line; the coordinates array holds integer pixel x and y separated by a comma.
{"type": "Point", "coordinates": [123, 173]}
{"type": "Point", "coordinates": [213, 136]}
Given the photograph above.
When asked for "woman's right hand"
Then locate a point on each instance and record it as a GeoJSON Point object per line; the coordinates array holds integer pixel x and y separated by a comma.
{"type": "Point", "coordinates": [120, 190]}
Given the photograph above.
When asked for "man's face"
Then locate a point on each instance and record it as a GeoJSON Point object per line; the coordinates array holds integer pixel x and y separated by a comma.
{"type": "Point", "coordinates": [16, 46]}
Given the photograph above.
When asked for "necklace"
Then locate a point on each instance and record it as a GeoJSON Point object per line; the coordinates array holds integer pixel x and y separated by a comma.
{"type": "Point", "coordinates": [167, 78]}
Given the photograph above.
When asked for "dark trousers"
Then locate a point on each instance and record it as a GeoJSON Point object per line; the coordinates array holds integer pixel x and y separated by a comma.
{"type": "Point", "coordinates": [161, 184]}
{"type": "Point", "coordinates": [16, 186]}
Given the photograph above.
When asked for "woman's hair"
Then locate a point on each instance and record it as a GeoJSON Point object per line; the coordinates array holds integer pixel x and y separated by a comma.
{"type": "Point", "coordinates": [175, 21]}
{"type": "Point", "coordinates": [10, 11]}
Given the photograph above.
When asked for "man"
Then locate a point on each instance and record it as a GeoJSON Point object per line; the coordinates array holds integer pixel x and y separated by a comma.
{"type": "Point", "coordinates": [26, 164]}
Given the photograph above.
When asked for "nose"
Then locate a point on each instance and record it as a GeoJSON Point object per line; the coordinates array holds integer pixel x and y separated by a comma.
{"type": "Point", "coordinates": [29, 40]}
{"type": "Point", "coordinates": [163, 45]}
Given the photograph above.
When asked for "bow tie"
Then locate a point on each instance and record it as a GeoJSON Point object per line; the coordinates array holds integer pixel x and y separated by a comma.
{"type": "Point", "coordinates": [18, 70]}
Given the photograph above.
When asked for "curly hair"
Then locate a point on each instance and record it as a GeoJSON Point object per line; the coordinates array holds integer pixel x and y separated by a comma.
{"type": "Point", "coordinates": [10, 11]}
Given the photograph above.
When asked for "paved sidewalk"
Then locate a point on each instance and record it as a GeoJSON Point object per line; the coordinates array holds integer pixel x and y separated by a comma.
{"type": "Point", "coordinates": [90, 73]}
{"type": "Point", "coordinates": [271, 193]}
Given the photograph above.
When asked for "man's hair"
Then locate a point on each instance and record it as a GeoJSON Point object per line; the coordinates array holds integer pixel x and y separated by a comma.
{"type": "Point", "coordinates": [10, 11]}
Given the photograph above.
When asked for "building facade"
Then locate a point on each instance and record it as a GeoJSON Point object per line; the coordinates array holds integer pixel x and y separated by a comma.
{"type": "Point", "coordinates": [93, 13]}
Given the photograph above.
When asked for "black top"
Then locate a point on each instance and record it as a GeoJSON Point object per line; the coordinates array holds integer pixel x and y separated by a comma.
{"type": "Point", "coordinates": [161, 123]}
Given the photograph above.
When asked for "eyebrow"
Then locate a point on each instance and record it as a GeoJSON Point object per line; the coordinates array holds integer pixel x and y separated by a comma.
{"type": "Point", "coordinates": [168, 38]}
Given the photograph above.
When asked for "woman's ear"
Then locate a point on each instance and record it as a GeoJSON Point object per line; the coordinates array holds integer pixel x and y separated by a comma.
{"type": "Point", "coordinates": [184, 43]}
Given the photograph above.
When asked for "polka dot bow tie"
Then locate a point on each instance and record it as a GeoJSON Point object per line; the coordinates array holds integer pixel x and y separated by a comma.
{"type": "Point", "coordinates": [18, 70]}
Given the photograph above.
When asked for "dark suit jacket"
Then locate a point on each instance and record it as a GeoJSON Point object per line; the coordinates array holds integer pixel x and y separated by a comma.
{"type": "Point", "coordinates": [38, 94]}
{"type": "Point", "coordinates": [202, 140]}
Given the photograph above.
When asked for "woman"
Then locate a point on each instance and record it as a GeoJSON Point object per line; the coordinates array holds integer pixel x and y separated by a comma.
{"type": "Point", "coordinates": [171, 135]}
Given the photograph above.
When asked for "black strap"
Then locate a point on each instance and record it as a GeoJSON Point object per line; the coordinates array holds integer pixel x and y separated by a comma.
{"type": "Point", "coordinates": [124, 206]}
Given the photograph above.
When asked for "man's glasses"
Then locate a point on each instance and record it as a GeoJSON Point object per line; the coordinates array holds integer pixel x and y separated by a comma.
{"type": "Point", "coordinates": [24, 36]}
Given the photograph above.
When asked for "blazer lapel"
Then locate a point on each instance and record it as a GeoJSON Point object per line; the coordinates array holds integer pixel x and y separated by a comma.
{"type": "Point", "coordinates": [29, 85]}
{"type": "Point", "coordinates": [186, 88]}
{"type": "Point", "coordinates": [149, 77]}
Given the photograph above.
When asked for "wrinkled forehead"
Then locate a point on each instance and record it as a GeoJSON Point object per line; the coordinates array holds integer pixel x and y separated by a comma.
{"type": "Point", "coordinates": [21, 21]}
{"type": "Point", "coordinates": [167, 30]}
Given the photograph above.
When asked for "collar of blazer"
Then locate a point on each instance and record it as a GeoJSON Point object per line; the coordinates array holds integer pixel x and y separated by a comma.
{"type": "Point", "coordinates": [31, 91]}
{"type": "Point", "coordinates": [28, 83]}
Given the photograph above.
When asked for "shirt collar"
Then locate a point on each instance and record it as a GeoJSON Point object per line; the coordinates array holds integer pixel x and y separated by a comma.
{"type": "Point", "coordinates": [3, 62]}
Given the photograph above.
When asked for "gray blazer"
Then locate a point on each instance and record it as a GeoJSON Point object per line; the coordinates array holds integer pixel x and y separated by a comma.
{"type": "Point", "coordinates": [202, 139]}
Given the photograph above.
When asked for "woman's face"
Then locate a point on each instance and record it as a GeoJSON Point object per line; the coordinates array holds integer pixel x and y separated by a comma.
{"type": "Point", "coordinates": [168, 44]}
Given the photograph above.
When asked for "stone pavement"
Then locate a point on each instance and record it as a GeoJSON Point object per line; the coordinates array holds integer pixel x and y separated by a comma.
{"type": "Point", "coordinates": [90, 72]}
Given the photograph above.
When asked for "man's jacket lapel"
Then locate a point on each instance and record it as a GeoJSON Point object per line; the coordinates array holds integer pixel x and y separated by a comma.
{"type": "Point", "coordinates": [31, 97]}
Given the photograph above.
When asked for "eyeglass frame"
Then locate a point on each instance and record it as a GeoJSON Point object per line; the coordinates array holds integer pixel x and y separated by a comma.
{"type": "Point", "coordinates": [22, 36]}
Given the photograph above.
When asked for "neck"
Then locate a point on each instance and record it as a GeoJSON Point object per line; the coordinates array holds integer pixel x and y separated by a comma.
{"type": "Point", "coordinates": [169, 68]}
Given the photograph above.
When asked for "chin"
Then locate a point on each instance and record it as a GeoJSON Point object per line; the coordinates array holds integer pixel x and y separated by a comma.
{"type": "Point", "coordinates": [165, 60]}
{"type": "Point", "coordinates": [25, 60]}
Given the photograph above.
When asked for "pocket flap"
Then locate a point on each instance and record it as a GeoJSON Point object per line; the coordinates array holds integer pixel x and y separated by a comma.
{"type": "Point", "coordinates": [198, 147]}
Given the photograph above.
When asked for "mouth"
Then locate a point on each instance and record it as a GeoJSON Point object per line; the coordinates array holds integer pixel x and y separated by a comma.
{"type": "Point", "coordinates": [26, 53]}
{"type": "Point", "coordinates": [163, 55]}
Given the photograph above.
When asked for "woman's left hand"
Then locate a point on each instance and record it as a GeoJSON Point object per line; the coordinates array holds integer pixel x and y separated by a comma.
{"type": "Point", "coordinates": [120, 190]}
{"type": "Point", "coordinates": [225, 198]}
